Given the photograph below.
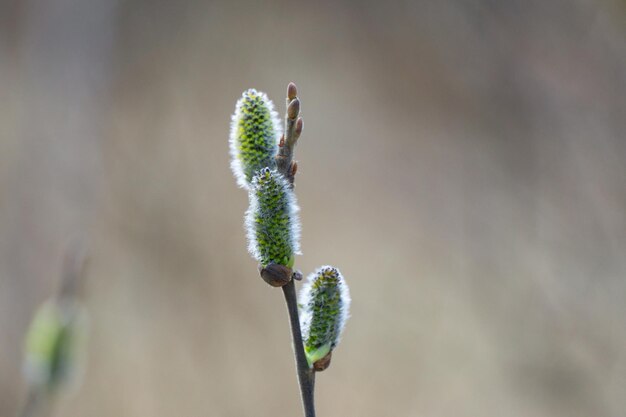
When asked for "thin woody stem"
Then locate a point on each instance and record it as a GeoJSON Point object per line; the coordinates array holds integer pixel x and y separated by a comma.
{"type": "Point", "coordinates": [306, 375]}
{"type": "Point", "coordinates": [288, 167]}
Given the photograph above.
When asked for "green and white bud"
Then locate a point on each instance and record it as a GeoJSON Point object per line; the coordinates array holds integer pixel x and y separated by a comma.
{"type": "Point", "coordinates": [272, 220]}
{"type": "Point", "coordinates": [254, 133]}
{"type": "Point", "coordinates": [324, 308]}
{"type": "Point", "coordinates": [54, 348]}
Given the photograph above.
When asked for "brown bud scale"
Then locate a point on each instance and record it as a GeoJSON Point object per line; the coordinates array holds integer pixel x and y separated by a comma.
{"type": "Point", "coordinates": [299, 126]}
{"type": "Point", "coordinates": [276, 275]}
{"type": "Point", "coordinates": [292, 91]}
{"type": "Point", "coordinates": [323, 363]}
{"type": "Point", "coordinates": [293, 109]}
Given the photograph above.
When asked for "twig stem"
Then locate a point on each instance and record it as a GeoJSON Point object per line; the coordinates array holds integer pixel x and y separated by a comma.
{"type": "Point", "coordinates": [288, 167]}
{"type": "Point", "coordinates": [306, 375]}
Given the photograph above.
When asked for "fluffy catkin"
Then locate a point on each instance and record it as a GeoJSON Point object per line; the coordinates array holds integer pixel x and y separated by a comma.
{"type": "Point", "coordinates": [254, 133]}
{"type": "Point", "coordinates": [272, 221]}
{"type": "Point", "coordinates": [324, 303]}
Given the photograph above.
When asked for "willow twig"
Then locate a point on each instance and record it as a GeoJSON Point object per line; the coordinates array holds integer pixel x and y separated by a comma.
{"type": "Point", "coordinates": [288, 167]}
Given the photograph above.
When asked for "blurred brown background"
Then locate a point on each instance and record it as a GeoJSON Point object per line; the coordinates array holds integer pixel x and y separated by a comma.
{"type": "Point", "coordinates": [462, 162]}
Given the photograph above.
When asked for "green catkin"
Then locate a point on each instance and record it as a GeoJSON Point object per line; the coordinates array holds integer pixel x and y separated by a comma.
{"type": "Point", "coordinates": [272, 222]}
{"type": "Point", "coordinates": [324, 309]}
{"type": "Point", "coordinates": [254, 134]}
{"type": "Point", "coordinates": [54, 344]}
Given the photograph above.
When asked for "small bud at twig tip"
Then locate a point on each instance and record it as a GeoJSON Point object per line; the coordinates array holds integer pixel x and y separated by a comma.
{"type": "Point", "coordinates": [293, 109]}
{"type": "Point", "coordinates": [292, 91]}
{"type": "Point", "coordinates": [299, 126]}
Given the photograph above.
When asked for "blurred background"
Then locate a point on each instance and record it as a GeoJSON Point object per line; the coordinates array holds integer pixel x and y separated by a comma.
{"type": "Point", "coordinates": [462, 163]}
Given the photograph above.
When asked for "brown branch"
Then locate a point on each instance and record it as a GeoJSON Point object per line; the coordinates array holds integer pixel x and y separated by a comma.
{"type": "Point", "coordinates": [306, 375]}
